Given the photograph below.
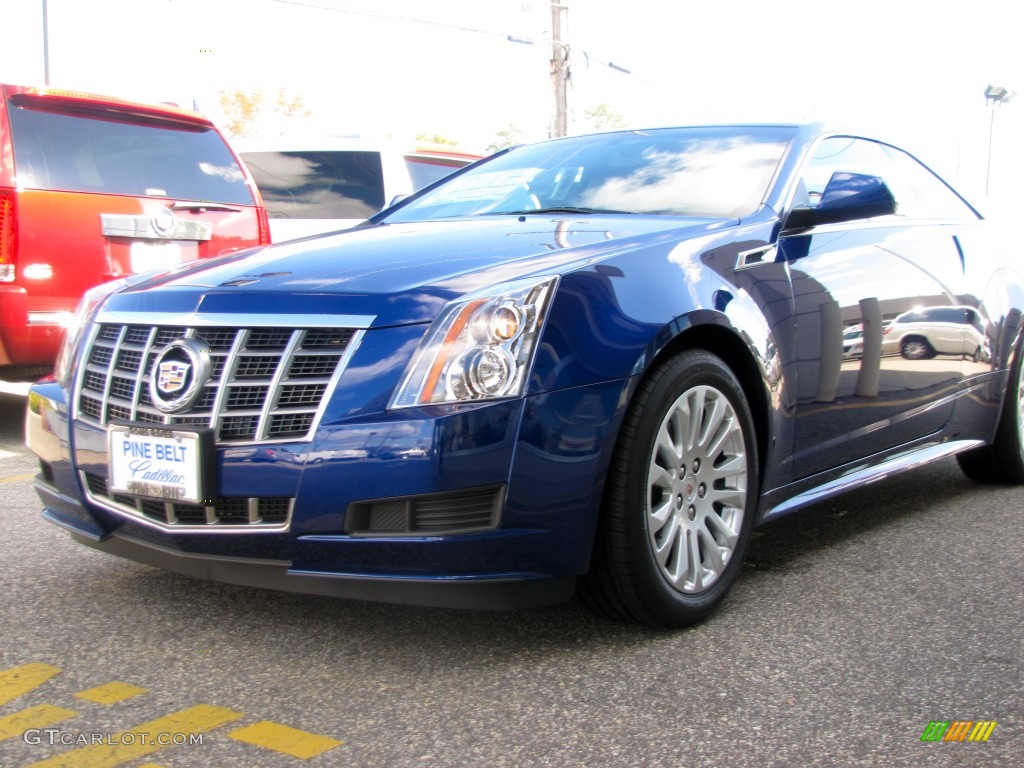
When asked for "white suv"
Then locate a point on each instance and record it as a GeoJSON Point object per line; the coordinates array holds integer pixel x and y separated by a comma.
{"type": "Point", "coordinates": [925, 332]}
{"type": "Point", "coordinates": [312, 185]}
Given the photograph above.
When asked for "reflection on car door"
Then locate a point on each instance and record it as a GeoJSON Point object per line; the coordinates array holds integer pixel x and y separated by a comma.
{"type": "Point", "coordinates": [865, 273]}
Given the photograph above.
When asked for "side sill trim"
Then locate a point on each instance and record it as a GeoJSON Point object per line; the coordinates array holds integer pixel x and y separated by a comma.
{"type": "Point", "coordinates": [866, 475]}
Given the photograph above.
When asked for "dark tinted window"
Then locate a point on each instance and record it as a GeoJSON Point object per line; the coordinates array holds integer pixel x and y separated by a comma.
{"type": "Point", "coordinates": [946, 315]}
{"type": "Point", "coordinates": [86, 153]}
{"type": "Point", "coordinates": [318, 185]}
{"type": "Point", "coordinates": [935, 315]}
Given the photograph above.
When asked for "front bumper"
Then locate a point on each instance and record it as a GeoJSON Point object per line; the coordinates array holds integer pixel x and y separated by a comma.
{"type": "Point", "coordinates": [547, 471]}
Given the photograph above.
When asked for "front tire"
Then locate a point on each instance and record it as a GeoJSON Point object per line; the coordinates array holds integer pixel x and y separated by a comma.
{"type": "Point", "coordinates": [680, 497]}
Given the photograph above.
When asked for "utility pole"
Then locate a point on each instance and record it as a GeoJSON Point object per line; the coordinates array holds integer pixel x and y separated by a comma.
{"type": "Point", "coordinates": [560, 66]}
{"type": "Point", "coordinates": [46, 47]}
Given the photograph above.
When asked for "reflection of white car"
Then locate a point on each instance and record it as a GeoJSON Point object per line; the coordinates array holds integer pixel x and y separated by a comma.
{"type": "Point", "coordinates": [853, 341]}
{"type": "Point", "coordinates": [312, 185]}
{"type": "Point", "coordinates": [929, 331]}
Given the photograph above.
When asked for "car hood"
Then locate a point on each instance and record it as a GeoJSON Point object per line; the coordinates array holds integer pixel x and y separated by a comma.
{"type": "Point", "coordinates": [398, 273]}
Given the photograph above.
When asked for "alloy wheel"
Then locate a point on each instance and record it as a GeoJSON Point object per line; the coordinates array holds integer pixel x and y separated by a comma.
{"type": "Point", "coordinates": [697, 486]}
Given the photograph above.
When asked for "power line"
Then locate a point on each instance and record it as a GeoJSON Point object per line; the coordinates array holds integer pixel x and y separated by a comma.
{"type": "Point", "coordinates": [404, 19]}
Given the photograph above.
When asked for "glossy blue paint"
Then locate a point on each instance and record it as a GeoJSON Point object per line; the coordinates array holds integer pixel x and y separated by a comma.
{"type": "Point", "coordinates": [632, 290]}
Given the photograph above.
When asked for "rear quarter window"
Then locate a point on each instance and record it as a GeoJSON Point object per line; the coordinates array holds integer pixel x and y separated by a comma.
{"type": "Point", "coordinates": [89, 153]}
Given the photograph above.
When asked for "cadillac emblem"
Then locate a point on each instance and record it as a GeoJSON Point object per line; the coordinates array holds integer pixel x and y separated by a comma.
{"type": "Point", "coordinates": [180, 371]}
{"type": "Point", "coordinates": [163, 222]}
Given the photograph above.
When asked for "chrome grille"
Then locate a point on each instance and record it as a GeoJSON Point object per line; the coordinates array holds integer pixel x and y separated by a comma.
{"type": "Point", "coordinates": [267, 384]}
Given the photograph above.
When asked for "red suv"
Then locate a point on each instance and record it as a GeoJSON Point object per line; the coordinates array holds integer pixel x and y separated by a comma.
{"type": "Point", "coordinates": [92, 188]}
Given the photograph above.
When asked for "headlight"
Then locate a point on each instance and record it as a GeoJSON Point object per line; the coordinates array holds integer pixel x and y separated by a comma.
{"type": "Point", "coordinates": [91, 301]}
{"type": "Point", "coordinates": [480, 347]}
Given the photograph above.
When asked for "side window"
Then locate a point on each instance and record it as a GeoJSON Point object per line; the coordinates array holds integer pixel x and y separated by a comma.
{"type": "Point", "coordinates": [318, 185]}
{"type": "Point", "coordinates": [923, 194]}
{"type": "Point", "coordinates": [844, 155]}
{"type": "Point", "coordinates": [948, 315]}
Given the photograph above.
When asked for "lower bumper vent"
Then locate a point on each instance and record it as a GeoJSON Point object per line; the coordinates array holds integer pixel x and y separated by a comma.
{"type": "Point", "coordinates": [270, 512]}
{"type": "Point", "coordinates": [478, 509]}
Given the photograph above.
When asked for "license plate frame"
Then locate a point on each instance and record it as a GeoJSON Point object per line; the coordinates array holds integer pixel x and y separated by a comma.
{"type": "Point", "coordinates": [161, 462]}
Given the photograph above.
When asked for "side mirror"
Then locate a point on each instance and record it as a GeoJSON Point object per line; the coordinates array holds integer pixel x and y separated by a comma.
{"type": "Point", "coordinates": [847, 197]}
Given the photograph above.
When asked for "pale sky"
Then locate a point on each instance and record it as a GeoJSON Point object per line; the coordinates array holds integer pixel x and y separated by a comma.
{"type": "Point", "coordinates": [909, 71]}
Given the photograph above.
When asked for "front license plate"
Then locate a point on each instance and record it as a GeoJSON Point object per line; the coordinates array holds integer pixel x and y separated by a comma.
{"type": "Point", "coordinates": [147, 256]}
{"type": "Point", "coordinates": [161, 463]}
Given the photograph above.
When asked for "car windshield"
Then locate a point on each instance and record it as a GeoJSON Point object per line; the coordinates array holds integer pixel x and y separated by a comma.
{"type": "Point", "coordinates": [717, 172]}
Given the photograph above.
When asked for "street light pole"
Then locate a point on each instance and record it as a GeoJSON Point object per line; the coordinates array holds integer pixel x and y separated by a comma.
{"type": "Point", "coordinates": [994, 95]}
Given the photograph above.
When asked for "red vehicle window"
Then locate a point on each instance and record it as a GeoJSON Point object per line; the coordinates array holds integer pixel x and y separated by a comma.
{"type": "Point", "coordinates": [90, 153]}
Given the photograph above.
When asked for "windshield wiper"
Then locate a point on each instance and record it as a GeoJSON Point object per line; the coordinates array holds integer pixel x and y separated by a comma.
{"type": "Point", "coordinates": [560, 209]}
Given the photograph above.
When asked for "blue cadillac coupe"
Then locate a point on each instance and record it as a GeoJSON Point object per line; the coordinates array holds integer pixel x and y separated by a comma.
{"type": "Point", "coordinates": [591, 364]}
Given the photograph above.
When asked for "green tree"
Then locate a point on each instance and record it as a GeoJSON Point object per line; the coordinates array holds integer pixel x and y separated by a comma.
{"type": "Point", "coordinates": [603, 118]}
{"type": "Point", "coordinates": [510, 137]}
{"type": "Point", "coordinates": [436, 139]}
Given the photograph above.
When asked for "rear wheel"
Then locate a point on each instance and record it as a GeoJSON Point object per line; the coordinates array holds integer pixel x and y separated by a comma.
{"type": "Point", "coordinates": [680, 497]}
{"type": "Point", "coordinates": [1003, 460]}
{"type": "Point", "coordinates": [916, 348]}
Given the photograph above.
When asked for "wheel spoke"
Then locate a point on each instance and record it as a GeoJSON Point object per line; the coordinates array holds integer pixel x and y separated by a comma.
{"type": "Point", "coordinates": [733, 466]}
{"type": "Point", "coordinates": [727, 497]}
{"type": "Point", "coordinates": [660, 479]}
{"type": "Point", "coordinates": [710, 428]}
{"type": "Point", "coordinates": [695, 407]}
{"type": "Point", "coordinates": [694, 568]}
{"type": "Point", "coordinates": [721, 532]}
{"type": "Point", "coordinates": [712, 553]}
{"type": "Point", "coordinates": [660, 514]}
{"type": "Point", "coordinates": [665, 545]}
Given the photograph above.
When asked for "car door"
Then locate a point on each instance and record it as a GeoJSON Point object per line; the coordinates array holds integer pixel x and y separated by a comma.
{"type": "Point", "coordinates": [864, 271]}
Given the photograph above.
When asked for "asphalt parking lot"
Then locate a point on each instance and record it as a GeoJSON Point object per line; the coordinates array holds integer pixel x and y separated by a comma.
{"type": "Point", "coordinates": [854, 627]}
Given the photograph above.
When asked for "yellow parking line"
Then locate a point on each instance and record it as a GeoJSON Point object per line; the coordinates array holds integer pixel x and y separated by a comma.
{"type": "Point", "coordinates": [41, 716]}
{"type": "Point", "coordinates": [143, 739]}
{"type": "Point", "coordinates": [281, 738]}
{"type": "Point", "coordinates": [111, 693]}
{"type": "Point", "coordinates": [20, 680]}
{"type": "Point", "coordinates": [16, 479]}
